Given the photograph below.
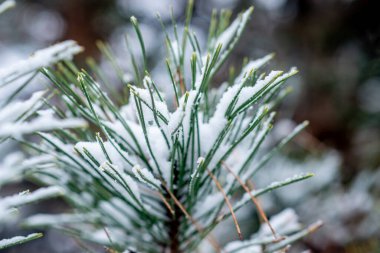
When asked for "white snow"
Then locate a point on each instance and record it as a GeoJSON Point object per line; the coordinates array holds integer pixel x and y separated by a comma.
{"type": "Point", "coordinates": [16, 109]}
{"type": "Point", "coordinates": [22, 199]}
{"type": "Point", "coordinates": [133, 186]}
{"type": "Point", "coordinates": [248, 92]}
{"type": "Point", "coordinates": [44, 57]}
{"type": "Point", "coordinates": [127, 77]}
{"type": "Point", "coordinates": [200, 160]}
{"type": "Point", "coordinates": [96, 151]}
{"type": "Point", "coordinates": [149, 149]}
{"type": "Point", "coordinates": [273, 185]}
{"type": "Point", "coordinates": [144, 94]}
{"type": "Point", "coordinates": [209, 203]}
{"type": "Point", "coordinates": [230, 34]}
{"type": "Point", "coordinates": [175, 121]}
{"type": "Point", "coordinates": [15, 164]}
{"type": "Point", "coordinates": [43, 123]}
{"type": "Point", "coordinates": [109, 210]}
{"type": "Point", "coordinates": [226, 100]}
{"type": "Point", "coordinates": [18, 239]}
{"type": "Point", "coordinates": [145, 176]}
{"type": "Point", "coordinates": [6, 5]}
{"type": "Point", "coordinates": [54, 219]}
{"type": "Point", "coordinates": [242, 247]}
{"type": "Point", "coordinates": [285, 222]}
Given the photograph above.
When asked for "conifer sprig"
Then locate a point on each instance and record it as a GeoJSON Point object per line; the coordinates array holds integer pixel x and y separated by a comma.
{"type": "Point", "coordinates": [151, 174]}
{"type": "Point", "coordinates": [13, 116]}
{"type": "Point", "coordinates": [21, 117]}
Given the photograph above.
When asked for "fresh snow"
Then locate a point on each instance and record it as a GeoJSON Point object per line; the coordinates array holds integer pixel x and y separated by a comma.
{"type": "Point", "coordinates": [175, 121]}
{"type": "Point", "coordinates": [209, 203]}
{"type": "Point", "coordinates": [284, 223]}
{"type": "Point", "coordinates": [4, 243]}
{"type": "Point", "coordinates": [138, 149]}
{"type": "Point", "coordinates": [236, 27]}
{"type": "Point", "coordinates": [44, 220]}
{"type": "Point", "coordinates": [16, 109]}
{"type": "Point", "coordinates": [44, 57]}
{"type": "Point", "coordinates": [6, 5]}
{"type": "Point", "coordinates": [15, 164]}
{"type": "Point", "coordinates": [242, 247]}
{"type": "Point", "coordinates": [249, 92]}
{"type": "Point", "coordinates": [145, 96]}
{"type": "Point", "coordinates": [96, 152]}
{"type": "Point", "coordinates": [25, 198]}
{"type": "Point", "coordinates": [145, 176]}
{"type": "Point", "coordinates": [44, 123]}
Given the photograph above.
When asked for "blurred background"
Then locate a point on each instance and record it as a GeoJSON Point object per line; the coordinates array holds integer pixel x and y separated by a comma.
{"type": "Point", "coordinates": [334, 43]}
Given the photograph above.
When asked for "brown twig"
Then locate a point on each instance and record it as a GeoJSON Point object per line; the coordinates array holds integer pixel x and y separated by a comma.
{"type": "Point", "coordinates": [227, 202]}
{"type": "Point", "coordinates": [181, 82]}
{"type": "Point", "coordinates": [254, 200]}
{"type": "Point", "coordinates": [164, 200]}
{"type": "Point", "coordinates": [166, 203]}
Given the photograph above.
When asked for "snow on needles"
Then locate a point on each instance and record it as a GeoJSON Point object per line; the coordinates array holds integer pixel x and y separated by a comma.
{"type": "Point", "coordinates": [44, 57]}
{"type": "Point", "coordinates": [14, 113]}
{"type": "Point", "coordinates": [6, 5]}
{"type": "Point", "coordinates": [159, 163]}
{"type": "Point", "coordinates": [5, 243]}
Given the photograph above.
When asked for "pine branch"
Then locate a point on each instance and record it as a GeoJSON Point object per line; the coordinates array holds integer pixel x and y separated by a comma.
{"type": "Point", "coordinates": [152, 174]}
{"type": "Point", "coordinates": [13, 116]}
